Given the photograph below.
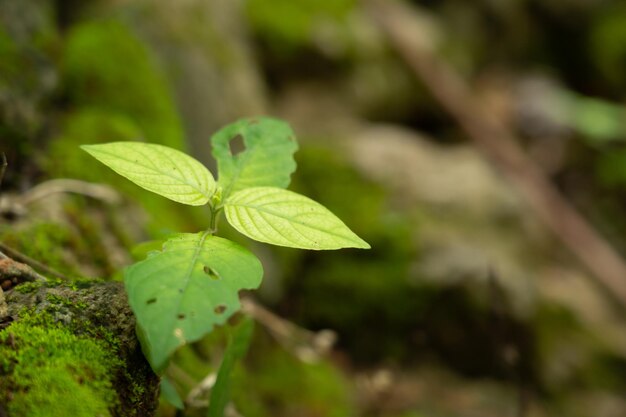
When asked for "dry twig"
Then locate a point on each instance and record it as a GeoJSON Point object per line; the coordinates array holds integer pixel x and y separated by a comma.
{"type": "Point", "coordinates": [398, 22]}
{"type": "Point", "coordinates": [12, 270]}
{"type": "Point", "coordinates": [95, 191]}
{"type": "Point", "coordinates": [306, 345]}
{"type": "Point", "coordinates": [32, 263]}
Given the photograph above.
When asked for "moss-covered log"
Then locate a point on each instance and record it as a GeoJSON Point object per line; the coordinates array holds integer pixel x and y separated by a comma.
{"type": "Point", "coordinates": [70, 349]}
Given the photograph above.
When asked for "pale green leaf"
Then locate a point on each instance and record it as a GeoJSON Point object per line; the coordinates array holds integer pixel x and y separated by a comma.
{"type": "Point", "coordinates": [266, 158]}
{"type": "Point", "coordinates": [162, 170]}
{"type": "Point", "coordinates": [180, 293]}
{"type": "Point", "coordinates": [285, 218]}
{"type": "Point", "coordinates": [238, 342]}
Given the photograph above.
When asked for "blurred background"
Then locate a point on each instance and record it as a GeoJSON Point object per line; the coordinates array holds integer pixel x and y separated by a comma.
{"type": "Point", "coordinates": [479, 147]}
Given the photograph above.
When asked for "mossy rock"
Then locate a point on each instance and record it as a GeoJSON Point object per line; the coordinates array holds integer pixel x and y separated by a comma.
{"type": "Point", "coordinates": [72, 350]}
{"type": "Point", "coordinates": [68, 379]}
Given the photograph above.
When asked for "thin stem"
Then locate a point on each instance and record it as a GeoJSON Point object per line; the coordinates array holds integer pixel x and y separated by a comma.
{"type": "Point", "coordinates": [3, 166]}
{"type": "Point", "coordinates": [215, 214]}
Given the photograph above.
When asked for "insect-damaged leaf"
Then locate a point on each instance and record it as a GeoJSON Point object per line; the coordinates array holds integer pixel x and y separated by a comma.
{"type": "Point", "coordinates": [180, 293]}
{"type": "Point", "coordinates": [264, 159]}
{"type": "Point", "coordinates": [162, 170]}
{"type": "Point", "coordinates": [285, 218]}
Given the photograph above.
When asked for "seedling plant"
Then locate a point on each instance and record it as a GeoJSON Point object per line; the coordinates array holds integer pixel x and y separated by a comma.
{"type": "Point", "coordinates": [178, 294]}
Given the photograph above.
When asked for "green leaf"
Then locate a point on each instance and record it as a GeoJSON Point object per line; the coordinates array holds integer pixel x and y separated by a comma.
{"type": "Point", "coordinates": [238, 343]}
{"type": "Point", "coordinates": [162, 170]}
{"type": "Point", "coordinates": [284, 218]}
{"type": "Point", "coordinates": [169, 394]}
{"type": "Point", "coordinates": [267, 159]}
{"type": "Point", "coordinates": [180, 293]}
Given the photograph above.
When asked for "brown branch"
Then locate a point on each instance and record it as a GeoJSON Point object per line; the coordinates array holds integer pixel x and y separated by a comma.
{"type": "Point", "coordinates": [13, 270]}
{"type": "Point", "coordinates": [32, 263]}
{"type": "Point", "coordinates": [399, 22]}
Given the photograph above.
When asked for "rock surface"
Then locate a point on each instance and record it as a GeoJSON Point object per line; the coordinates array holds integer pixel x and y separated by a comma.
{"type": "Point", "coordinates": [87, 331]}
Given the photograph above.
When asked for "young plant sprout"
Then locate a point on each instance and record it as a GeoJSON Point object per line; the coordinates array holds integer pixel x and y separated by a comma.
{"type": "Point", "coordinates": [181, 292]}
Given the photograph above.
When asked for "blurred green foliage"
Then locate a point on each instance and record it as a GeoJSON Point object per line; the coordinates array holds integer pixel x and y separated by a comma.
{"type": "Point", "coordinates": [375, 283]}
{"type": "Point", "coordinates": [289, 25]}
{"type": "Point", "coordinates": [607, 43]}
{"type": "Point", "coordinates": [105, 66]}
{"type": "Point", "coordinates": [278, 384]}
{"type": "Point", "coordinates": [114, 102]}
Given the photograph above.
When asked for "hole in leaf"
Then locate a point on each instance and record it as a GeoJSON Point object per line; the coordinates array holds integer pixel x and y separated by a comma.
{"type": "Point", "coordinates": [181, 316]}
{"type": "Point", "coordinates": [220, 309]}
{"type": "Point", "coordinates": [151, 301]}
{"type": "Point", "coordinates": [253, 122]}
{"type": "Point", "coordinates": [211, 272]}
{"type": "Point", "coordinates": [180, 290]}
{"type": "Point", "coordinates": [236, 145]}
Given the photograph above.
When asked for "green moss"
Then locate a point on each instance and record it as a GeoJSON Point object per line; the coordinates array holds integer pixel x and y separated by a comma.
{"type": "Point", "coordinates": [28, 287]}
{"type": "Point", "coordinates": [62, 301]}
{"type": "Point", "coordinates": [48, 371]}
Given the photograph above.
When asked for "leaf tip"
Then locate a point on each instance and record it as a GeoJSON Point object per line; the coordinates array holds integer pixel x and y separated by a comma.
{"type": "Point", "coordinates": [364, 245]}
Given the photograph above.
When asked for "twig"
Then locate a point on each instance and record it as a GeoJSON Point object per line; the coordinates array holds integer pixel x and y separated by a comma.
{"type": "Point", "coordinates": [97, 191]}
{"type": "Point", "coordinates": [398, 22]}
{"type": "Point", "coordinates": [31, 262]}
{"type": "Point", "coordinates": [3, 166]}
{"type": "Point", "coordinates": [308, 346]}
{"type": "Point", "coordinates": [193, 399]}
{"type": "Point", "coordinates": [13, 269]}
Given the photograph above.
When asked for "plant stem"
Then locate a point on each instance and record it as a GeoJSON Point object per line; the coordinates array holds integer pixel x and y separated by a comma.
{"type": "Point", "coordinates": [215, 213]}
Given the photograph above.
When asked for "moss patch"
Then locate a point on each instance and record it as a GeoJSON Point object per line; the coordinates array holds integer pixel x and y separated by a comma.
{"type": "Point", "coordinates": [48, 371]}
{"type": "Point", "coordinates": [81, 335]}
